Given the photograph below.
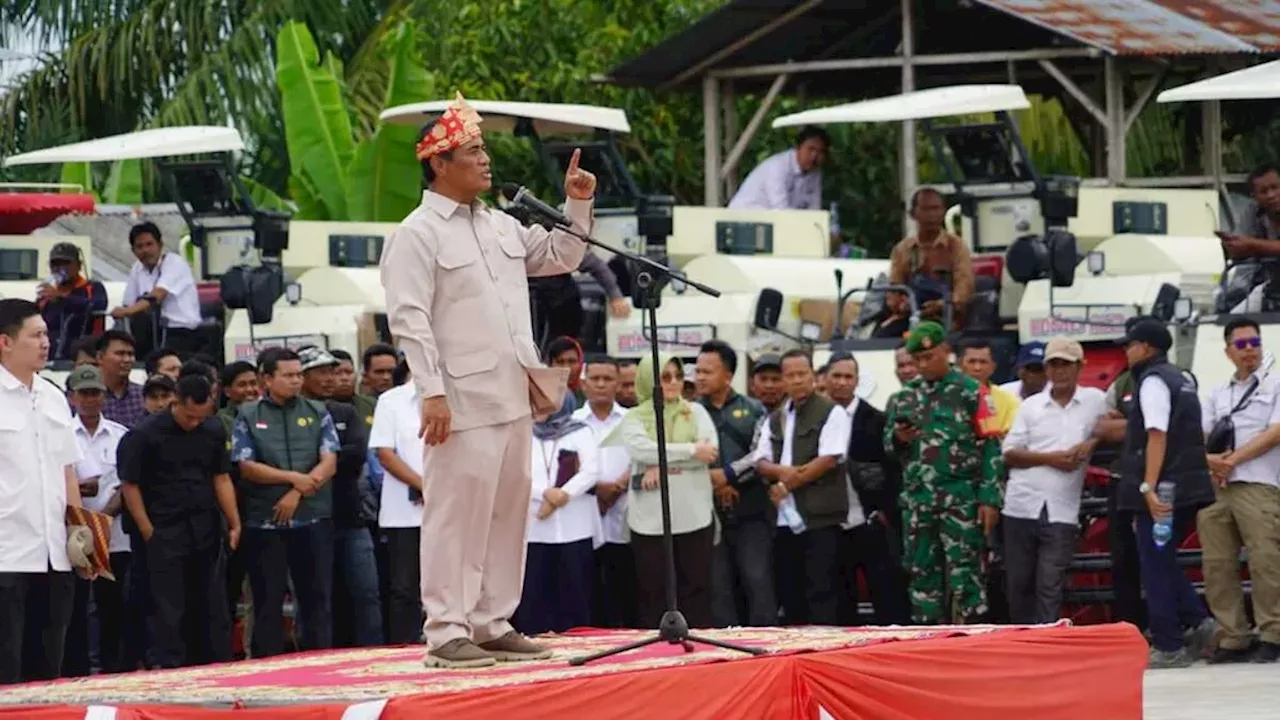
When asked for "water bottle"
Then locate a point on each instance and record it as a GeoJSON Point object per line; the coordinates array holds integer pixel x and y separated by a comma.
{"type": "Point", "coordinates": [791, 514]}
{"type": "Point", "coordinates": [835, 218]}
{"type": "Point", "coordinates": [56, 278]}
{"type": "Point", "coordinates": [1162, 531]}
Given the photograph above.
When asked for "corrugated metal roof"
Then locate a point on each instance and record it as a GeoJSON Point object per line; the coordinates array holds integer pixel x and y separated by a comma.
{"type": "Point", "coordinates": [1157, 27]}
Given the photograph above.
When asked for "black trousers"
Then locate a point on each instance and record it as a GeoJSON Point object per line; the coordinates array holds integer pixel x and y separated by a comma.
{"type": "Point", "coordinates": [113, 616]}
{"type": "Point", "coordinates": [615, 587]}
{"type": "Point", "coordinates": [404, 588]}
{"type": "Point", "coordinates": [304, 554]}
{"type": "Point", "coordinates": [745, 584]}
{"type": "Point", "coordinates": [35, 609]}
{"type": "Point", "coordinates": [557, 587]}
{"type": "Point", "coordinates": [693, 577]}
{"type": "Point", "coordinates": [75, 649]}
{"type": "Point", "coordinates": [870, 547]}
{"type": "Point", "coordinates": [807, 575]}
{"type": "Point", "coordinates": [1036, 556]}
{"type": "Point", "coordinates": [187, 573]}
{"type": "Point", "coordinates": [1126, 577]}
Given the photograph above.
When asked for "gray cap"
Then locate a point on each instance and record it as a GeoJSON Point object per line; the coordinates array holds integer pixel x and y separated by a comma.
{"type": "Point", "coordinates": [768, 361]}
{"type": "Point", "coordinates": [86, 377]}
{"type": "Point", "coordinates": [314, 357]}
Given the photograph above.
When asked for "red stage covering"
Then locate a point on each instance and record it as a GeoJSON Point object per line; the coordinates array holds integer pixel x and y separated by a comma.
{"type": "Point", "coordinates": [22, 213]}
{"type": "Point", "coordinates": [987, 673]}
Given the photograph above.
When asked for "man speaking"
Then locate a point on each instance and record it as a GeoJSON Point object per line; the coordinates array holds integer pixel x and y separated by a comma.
{"type": "Point", "coordinates": [455, 274]}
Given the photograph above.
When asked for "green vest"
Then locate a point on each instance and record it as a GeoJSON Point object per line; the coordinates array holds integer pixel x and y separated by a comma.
{"type": "Point", "coordinates": [285, 438]}
{"type": "Point", "coordinates": [823, 502]}
{"type": "Point", "coordinates": [364, 408]}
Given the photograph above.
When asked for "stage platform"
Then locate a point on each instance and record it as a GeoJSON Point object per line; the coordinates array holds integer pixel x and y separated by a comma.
{"type": "Point", "coordinates": [937, 673]}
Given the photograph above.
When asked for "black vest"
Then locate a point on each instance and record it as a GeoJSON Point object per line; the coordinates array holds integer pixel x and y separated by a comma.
{"type": "Point", "coordinates": [823, 502]}
{"type": "Point", "coordinates": [1184, 457]}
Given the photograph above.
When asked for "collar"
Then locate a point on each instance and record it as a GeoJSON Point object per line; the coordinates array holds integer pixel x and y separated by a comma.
{"type": "Point", "coordinates": [1258, 374]}
{"type": "Point", "coordinates": [793, 162]}
{"type": "Point", "coordinates": [9, 381]}
{"type": "Point", "coordinates": [729, 399]}
{"type": "Point", "coordinates": [291, 402]}
{"type": "Point", "coordinates": [790, 404]}
{"type": "Point", "coordinates": [852, 407]}
{"type": "Point", "coordinates": [103, 427]}
{"type": "Point", "coordinates": [159, 263]}
{"type": "Point", "coordinates": [1047, 397]}
{"type": "Point", "coordinates": [445, 208]}
{"type": "Point", "coordinates": [943, 238]}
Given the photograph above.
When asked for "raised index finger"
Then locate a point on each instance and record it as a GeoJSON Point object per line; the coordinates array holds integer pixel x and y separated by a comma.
{"type": "Point", "coordinates": [573, 160]}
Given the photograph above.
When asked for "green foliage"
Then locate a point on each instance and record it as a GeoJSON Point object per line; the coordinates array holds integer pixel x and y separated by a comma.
{"type": "Point", "coordinates": [317, 126]}
{"type": "Point", "coordinates": [384, 181]}
{"type": "Point", "coordinates": [124, 183]}
{"type": "Point", "coordinates": [77, 174]}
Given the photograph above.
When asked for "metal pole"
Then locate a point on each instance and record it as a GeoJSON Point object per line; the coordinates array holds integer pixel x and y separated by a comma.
{"type": "Point", "coordinates": [1113, 82]}
{"type": "Point", "coordinates": [711, 141]}
{"type": "Point", "coordinates": [907, 158]}
{"type": "Point", "coordinates": [735, 153]}
{"type": "Point", "coordinates": [729, 135]}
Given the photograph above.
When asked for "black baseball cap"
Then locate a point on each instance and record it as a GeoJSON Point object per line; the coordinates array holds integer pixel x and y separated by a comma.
{"type": "Point", "coordinates": [768, 361]}
{"type": "Point", "coordinates": [65, 251]}
{"type": "Point", "coordinates": [1150, 331]}
{"type": "Point", "coordinates": [159, 383]}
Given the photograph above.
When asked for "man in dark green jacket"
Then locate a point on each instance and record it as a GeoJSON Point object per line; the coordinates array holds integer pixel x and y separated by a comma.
{"type": "Point", "coordinates": [287, 449]}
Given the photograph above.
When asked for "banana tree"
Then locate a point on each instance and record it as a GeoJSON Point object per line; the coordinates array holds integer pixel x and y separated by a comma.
{"type": "Point", "coordinates": [332, 177]}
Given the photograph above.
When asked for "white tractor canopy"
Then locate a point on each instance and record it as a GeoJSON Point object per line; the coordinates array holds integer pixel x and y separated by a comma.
{"type": "Point", "coordinates": [1260, 82]}
{"type": "Point", "coordinates": [328, 286]}
{"type": "Point", "coordinates": [919, 105]}
{"type": "Point", "coordinates": [795, 278]}
{"type": "Point", "coordinates": [154, 143]}
{"type": "Point", "coordinates": [501, 116]}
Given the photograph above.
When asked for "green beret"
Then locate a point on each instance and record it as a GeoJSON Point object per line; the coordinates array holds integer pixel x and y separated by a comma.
{"type": "Point", "coordinates": [924, 336]}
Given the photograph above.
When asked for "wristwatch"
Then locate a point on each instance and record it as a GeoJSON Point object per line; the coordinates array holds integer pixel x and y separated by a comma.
{"type": "Point", "coordinates": [1144, 488]}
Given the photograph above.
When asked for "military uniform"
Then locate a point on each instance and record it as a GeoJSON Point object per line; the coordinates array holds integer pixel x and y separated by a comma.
{"type": "Point", "coordinates": [949, 470]}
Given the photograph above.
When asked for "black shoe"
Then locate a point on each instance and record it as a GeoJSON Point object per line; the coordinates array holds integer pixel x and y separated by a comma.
{"type": "Point", "coordinates": [1223, 656]}
{"type": "Point", "coordinates": [1267, 653]}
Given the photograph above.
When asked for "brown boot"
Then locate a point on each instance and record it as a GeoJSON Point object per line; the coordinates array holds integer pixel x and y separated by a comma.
{"type": "Point", "coordinates": [458, 653]}
{"type": "Point", "coordinates": [514, 647]}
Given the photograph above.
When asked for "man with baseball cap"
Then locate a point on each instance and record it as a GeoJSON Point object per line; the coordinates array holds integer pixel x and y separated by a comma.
{"type": "Point", "coordinates": [951, 490]}
{"type": "Point", "coordinates": [72, 305]}
{"type": "Point", "coordinates": [1164, 472]}
{"type": "Point", "coordinates": [766, 381]}
{"type": "Point", "coordinates": [1046, 452]}
{"type": "Point", "coordinates": [357, 608]}
{"type": "Point", "coordinates": [1030, 370]}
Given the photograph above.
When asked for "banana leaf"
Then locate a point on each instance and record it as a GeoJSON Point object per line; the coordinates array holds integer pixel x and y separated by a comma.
{"type": "Point", "coordinates": [124, 183]}
{"type": "Point", "coordinates": [306, 196]}
{"type": "Point", "coordinates": [317, 125]}
{"type": "Point", "coordinates": [79, 173]}
{"type": "Point", "coordinates": [384, 183]}
{"type": "Point", "coordinates": [263, 197]}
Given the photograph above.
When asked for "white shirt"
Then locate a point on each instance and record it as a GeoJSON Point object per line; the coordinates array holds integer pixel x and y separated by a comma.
{"type": "Point", "coordinates": [37, 445]}
{"type": "Point", "coordinates": [778, 183]}
{"type": "Point", "coordinates": [181, 307]}
{"type": "Point", "coordinates": [1260, 412]}
{"type": "Point", "coordinates": [614, 462]}
{"type": "Point", "coordinates": [98, 453]}
{"type": "Point", "coordinates": [578, 519]}
{"type": "Point", "coordinates": [1041, 425]}
{"type": "Point", "coordinates": [832, 441]}
{"type": "Point", "coordinates": [1156, 403]}
{"type": "Point", "coordinates": [1013, 388]}
{"type": "Point", "coordinates": [856, 515]}
{"type": "Point", "coordinates": [396, 420]}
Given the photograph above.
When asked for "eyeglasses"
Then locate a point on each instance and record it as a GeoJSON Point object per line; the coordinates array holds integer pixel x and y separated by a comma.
{"type": "Point", "coordinates": [669, 377]}
{"type": "Point", "coordinates": [1250, 342]}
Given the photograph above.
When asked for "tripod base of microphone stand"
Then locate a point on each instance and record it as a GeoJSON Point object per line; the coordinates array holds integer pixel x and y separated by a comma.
{"type": "Point", "coordinates": [674, 630]}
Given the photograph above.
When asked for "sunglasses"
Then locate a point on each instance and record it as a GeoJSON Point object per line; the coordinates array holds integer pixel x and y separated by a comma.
{"type": "Point", "coordinates": [668, 377]}
{"type": "Point", "coordinates": [1243, 343]}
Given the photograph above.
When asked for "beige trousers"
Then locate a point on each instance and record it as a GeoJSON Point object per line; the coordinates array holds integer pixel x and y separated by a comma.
{"type": "Point", "coordinates": [1248, 515]}
{"type": "Point", "coordinates": [475, 507]}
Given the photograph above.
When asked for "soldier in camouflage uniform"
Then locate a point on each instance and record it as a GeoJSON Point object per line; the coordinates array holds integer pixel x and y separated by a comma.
{"type": "Point", "coordinates": [951, 492]}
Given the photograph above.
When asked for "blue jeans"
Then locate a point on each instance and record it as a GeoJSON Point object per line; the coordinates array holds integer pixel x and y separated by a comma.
{"type": "Point", "coordinates": [357, 604]}
{"type": "Point", "coordinates": [1172, 603]}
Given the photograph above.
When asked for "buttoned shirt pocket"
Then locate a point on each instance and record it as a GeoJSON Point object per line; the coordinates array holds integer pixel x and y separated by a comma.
{"type": "Point", "coordinates": [457, 276]}
{"type": "Point", "coordinates": [471, 363]}
{"type": "Point", "coordinates": [510, 244]}
{"type": "Point", "coordinates": [12, 439]}
{"type": "Point", "coordinates": [57, 438]}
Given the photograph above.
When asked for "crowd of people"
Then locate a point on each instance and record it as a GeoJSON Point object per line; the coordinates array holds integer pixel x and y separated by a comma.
{"type": "Point", "coordinates": [296, 481]}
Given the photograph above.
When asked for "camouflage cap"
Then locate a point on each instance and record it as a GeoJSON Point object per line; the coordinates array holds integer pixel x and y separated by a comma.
{"type": "Point", "coordinates": [924, 336]}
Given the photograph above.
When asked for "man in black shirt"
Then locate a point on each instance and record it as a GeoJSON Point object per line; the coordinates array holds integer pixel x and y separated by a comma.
{"type": "Point", "coordinates": [357, 616]}
{"type": "Point", "coordinates": [175, 479]}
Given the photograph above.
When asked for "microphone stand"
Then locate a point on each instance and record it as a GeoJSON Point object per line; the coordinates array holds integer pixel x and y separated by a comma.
{"type": "Point", "coordinates": [649, 280]}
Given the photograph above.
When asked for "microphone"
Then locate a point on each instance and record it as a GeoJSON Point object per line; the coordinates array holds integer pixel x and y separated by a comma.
{"type": "Point", "coordinates": [520, 196]}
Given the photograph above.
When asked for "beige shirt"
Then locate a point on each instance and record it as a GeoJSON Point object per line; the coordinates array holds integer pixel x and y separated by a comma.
{"type": "Point", "coordinates": [457, 287]}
